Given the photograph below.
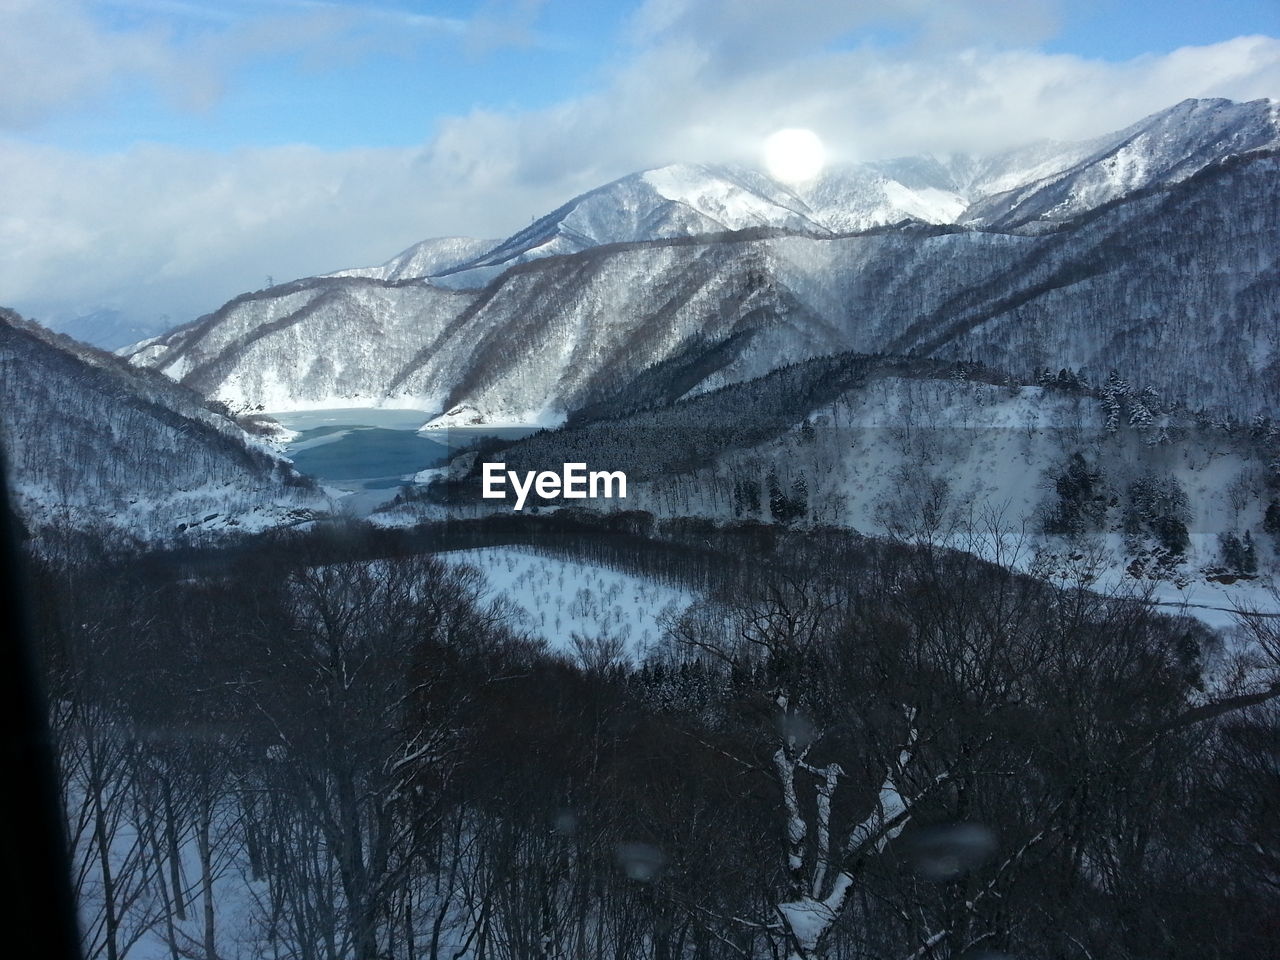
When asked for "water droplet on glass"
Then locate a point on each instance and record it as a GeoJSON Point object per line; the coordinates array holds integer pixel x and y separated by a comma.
{"type": "Point", "coordinates": [640, 861]}
{"type": "Point", "coordinates": [946, 851]}
{"type": "Point", "coordinates": [797, 728]}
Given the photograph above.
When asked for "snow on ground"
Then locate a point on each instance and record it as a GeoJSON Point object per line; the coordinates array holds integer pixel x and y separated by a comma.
{"type": "Point", "coordinates": [188, 514]}
{"type": "Point", "coordinates": [1101, 561]}
{"type": "Point", "coordinates": [137, 838]}
{"type": "Point", "coordinates": [956, 460]}
{"type": "Point", "coordinates": [558, 598]}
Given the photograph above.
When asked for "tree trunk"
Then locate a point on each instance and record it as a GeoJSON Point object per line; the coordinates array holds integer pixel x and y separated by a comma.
{"type": "Point", "coordinates": [175, 859]}
{"type": "Point", "coordinates": [206, 874]}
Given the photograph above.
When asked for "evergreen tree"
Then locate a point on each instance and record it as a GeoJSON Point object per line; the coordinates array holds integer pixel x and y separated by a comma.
{"type": "Point", "coordinates": [1230, 552]}
{"type": "Point", "coordinates": [1115, 394]}
{"type": "Point", "coordinates": [1271, 520]}
{"type": "Point", "coordinates": [1081, 502]}
{"type": "Point", "coordinates": [800, 497]}
{"type": "Point", "coordinates": [1140, 415]}
{"type": "Point", "coordinates": [1159, 507]}
{"type": "Point", "coordinates": [777, 499]}
{"type": "Point", "coordinates": [1248, 555]}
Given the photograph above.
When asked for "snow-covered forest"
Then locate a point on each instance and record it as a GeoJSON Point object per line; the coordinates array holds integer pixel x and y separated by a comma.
{"type": "Point", "coordinates": [947, 453]}
{"type": "Point", "coordinates": [916, 753]}
{"type": "Point", "coordinates": [92, 442]}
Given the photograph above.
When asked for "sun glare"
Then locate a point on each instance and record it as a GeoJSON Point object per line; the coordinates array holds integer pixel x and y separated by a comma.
{"type": "Point", "coordinates": [794, 155]}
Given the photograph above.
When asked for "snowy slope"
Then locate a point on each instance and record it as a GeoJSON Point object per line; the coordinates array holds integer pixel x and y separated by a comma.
{"type": "Point", "coordinates": [856, 197]}
{"type": "Point", "coordinates": [974, 465]}
{"type": "Point", "coordinates": [423, 259]}
{"type": "Point", "coordinates": [557, 598]}
{"type": "Point", "coordinates": [680, 200]}
{"type": "Point", "coordinates": [310, 345]}
{"type": "Point", "coordinates": [1166, 147]}
{"type": "Point", "coordinates": [93, 442]}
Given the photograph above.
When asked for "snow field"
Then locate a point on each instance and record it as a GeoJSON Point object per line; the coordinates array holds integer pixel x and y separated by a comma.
{"type": "Point", "coordinates": [558, 598]}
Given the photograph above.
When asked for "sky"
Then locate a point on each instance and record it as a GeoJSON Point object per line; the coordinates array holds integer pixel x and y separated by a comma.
{"type": "Point", "coordinates": [158, 157]}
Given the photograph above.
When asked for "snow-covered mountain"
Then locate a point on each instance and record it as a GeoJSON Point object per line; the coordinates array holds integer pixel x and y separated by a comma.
{"type": "Point", "coordinates": [106, 328]}
{"type": "Point", "coordinates": [679, 200]}
{"type": "Point", "coordinates": [260, 350]}
{"type": "Point", "coordinates": [1148, 251]}
{"type": "Point", "coordinates": [1164, 148]}
{"type": "Point", "coordinates": [424, 259]}
{"type": "Point", "coordinates": [1043, 181]}
{"type": "Point", "coordinates": [92, 442]}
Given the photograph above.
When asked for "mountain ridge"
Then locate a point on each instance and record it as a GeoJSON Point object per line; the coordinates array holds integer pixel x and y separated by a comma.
{"type": "Point", "coordinates": [836, 201]}
{"type": "Point", "coordinates": [545, 326]}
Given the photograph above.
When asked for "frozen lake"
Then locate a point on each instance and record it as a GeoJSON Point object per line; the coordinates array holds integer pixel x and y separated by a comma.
{"type": "Point", "coordinates": [374, 449]}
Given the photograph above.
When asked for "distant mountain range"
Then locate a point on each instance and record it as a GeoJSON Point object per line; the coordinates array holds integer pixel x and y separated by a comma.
{"type": "Point", "coordinates": [106, 327]}
{"type": "Point", "coordinates": [1151, 251]}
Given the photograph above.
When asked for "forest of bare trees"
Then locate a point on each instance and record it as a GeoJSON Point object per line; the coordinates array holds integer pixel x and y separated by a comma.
{"type": "Point", "coordinates": [911, 754]}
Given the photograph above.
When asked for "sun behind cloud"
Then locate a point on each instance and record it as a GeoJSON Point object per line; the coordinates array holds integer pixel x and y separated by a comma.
{"type": "Point", "coordinates": [794, 155]}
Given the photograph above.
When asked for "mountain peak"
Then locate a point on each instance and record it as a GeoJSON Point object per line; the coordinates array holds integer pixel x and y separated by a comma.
{"type": "Point", "coordinates": [1041, 183]}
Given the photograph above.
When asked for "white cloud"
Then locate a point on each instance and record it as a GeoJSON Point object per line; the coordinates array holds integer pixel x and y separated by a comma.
{"type": "Point", "coordinates": [56, 56]}
{"type": "Point", "coordinates": [166, 230]}
{"type": "Point", "coordinates": [52, 54]}
{"type": "Point", "coordinates": [741, 33]}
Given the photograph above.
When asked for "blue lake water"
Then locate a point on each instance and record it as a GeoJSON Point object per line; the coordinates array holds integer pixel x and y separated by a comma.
{"type": "Point", "coordinates": [370, 449]}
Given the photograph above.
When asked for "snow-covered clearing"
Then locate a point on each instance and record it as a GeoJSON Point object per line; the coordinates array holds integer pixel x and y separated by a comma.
{"type": "Point", "coordinates": [558, 598]}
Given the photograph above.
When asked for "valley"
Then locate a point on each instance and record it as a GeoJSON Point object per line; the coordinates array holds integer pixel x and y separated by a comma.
{"type": "Point", "coordinates": [939, 618]}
